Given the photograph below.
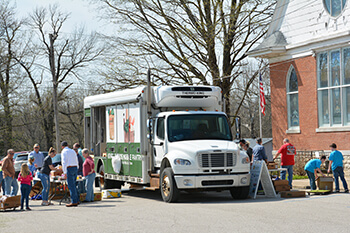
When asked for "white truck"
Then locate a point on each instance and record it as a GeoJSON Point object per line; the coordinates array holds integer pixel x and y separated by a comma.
{"type": "Point", "coordinates": [170, 138]}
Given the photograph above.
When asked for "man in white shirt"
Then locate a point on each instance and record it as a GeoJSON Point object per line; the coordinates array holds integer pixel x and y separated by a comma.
{"type": "Point", "coordinates": [70, 169]}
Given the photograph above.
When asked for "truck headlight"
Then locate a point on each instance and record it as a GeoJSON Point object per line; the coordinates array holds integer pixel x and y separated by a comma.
{"type": "Point", "coordinates": [245, 160]}
{"type": "Point", "coordinates": [182, 162]}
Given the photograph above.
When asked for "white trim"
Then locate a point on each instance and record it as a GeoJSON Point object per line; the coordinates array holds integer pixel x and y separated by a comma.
{"type": "Point", "coordinates": [293, 130]}
{"type": "Point", "coordinates": [332, 129]}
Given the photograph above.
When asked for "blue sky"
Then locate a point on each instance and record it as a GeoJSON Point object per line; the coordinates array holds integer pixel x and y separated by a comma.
{"type": "Point", "coordinates": [82, 13]}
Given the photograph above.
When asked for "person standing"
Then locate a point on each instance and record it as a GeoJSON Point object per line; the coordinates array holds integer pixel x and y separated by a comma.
{"type": "Point", "coordinates": [312, 167]}
{"type": "Point", "coordinates": [25, 177]}
{"type": "Point", "coordinates": [80, 183]}
{"type": "Point", "coordinates": [2, 182]}
{"type": "Point", "coordinates": [44, 176]}
{"type": "Point", "coordinates": [70, 170]}
{"type": "Point", "coordinates": [248, 150]}
{"type": "Point", "coordinates": [336, 164]}
{"type": "Point", "coordinates": [259, 151]}
{"type": "Point", "coordinates": [89, 173]}
{"type": "Point", "coordinates": [8, 171]}
{"type": "Point", "coordinates": [31, 165]}
{"type": "Point", "coordinates": [38, 157]}
{"type": "Point", "coordinates": [287, 152]}
{"type": "Point", "coordinates": [80, 151]}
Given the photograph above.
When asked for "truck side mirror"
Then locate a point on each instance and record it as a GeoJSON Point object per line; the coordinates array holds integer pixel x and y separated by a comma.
{"type": "Point", "coordinates": [238, 127]}
{"type": "Point", "coordinates": [150, 129]}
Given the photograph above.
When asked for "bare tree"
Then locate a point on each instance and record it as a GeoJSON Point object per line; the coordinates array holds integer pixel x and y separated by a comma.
{"type": "Point", "coordinates": [59, 55]}
{"type": "Point", "coordinates": [184, 41]}
{"type": "Point", "coordinates": [9, 76]}
{"type": "Point", "coordinates": [246, 99]}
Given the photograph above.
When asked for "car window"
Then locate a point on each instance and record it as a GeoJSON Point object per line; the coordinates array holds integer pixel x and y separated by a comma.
{"type": "Point", "coordinates": [22, 157]}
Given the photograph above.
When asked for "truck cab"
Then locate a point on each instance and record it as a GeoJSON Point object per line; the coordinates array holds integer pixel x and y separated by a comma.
{"type": "Point", "coordinates": [197, 150]}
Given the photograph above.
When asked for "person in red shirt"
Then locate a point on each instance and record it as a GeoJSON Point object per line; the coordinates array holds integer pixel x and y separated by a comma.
{"type": "Point", "coordinates": [89, 173]}
{"type": "Point", "coordinates": [287, 152]}
{"type": "Point", "coordinates": [25, 177]}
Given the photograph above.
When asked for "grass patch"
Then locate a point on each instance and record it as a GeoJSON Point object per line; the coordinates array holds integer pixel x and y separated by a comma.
{"type": "Point", "coordinates": [297, 177]}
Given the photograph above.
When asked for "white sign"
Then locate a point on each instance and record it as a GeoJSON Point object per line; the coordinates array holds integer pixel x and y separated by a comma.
{"type": "Point", "coordinates": [259, 173]}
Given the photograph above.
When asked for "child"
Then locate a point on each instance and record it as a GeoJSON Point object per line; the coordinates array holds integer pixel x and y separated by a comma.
{"type": "Point", "coordinates": [31, 165]}
{"type": "Point", "coordinates": [25, 177]}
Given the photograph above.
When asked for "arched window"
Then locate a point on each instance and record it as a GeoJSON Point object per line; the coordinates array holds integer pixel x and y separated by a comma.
{"type": "Point", "coordinates": [334, 7]}
{"type": "Point", "coordinates": [292, 99]}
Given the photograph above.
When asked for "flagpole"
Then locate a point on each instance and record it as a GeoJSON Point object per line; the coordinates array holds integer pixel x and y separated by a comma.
{"type": "Point", "coordinates": [260, 106]}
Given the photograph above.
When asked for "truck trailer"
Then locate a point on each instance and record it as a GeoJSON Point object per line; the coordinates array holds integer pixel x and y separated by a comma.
{"type": "Point", "coordinates": [172, 138]}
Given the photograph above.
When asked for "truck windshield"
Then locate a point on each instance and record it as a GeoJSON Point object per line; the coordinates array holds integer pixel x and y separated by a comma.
{"type": "Point", "coordinates": [198, 127]}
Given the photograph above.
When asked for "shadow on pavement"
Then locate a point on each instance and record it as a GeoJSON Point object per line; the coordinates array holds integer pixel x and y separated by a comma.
{"type": "Point", "coordinates": [200, 197]}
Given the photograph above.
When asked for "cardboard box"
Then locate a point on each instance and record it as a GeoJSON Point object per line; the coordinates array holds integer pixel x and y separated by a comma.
{"type": "Point", "coordinates": [280, 182]}
{"type": "Point", "coordinates": [57, 172]}
{"type": "Point", "coordinates": [10, 202]}
{"type": "Point", "coordinates": [272, 165]}
{"type": "Point", "coordinates": [112, 193]}
{"type": "Point", "coordinates": [281, 188]}
{"type": "Point", "coordinates": [97, 196]}
{"type": "Point", "coordinates": [294, 193]}
{"type": "Point", "coordinates": [325, 183]}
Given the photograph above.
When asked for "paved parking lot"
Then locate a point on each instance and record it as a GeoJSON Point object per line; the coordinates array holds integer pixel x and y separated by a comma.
{"type": "Point", "coordinates": [144, 211]}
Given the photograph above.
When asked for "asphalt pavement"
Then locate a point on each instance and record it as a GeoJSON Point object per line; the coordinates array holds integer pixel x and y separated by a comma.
{"type": "Point", "coordinates": [304, 184]}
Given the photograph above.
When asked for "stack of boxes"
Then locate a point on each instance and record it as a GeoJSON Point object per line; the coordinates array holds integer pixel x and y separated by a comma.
{"type": "Point", "coordinates": [281, 185]}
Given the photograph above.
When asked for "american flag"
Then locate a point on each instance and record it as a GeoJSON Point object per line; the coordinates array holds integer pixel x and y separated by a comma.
{"type": "Point", "coordinates": [262, 96]}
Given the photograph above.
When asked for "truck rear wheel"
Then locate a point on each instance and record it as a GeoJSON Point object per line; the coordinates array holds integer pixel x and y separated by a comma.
{"type": "Point", "coordinates": [107, 183]}
{"type": "Point", "coordinates": [168, 188]}
{"type": "Point", "coordinates": [240, 192]}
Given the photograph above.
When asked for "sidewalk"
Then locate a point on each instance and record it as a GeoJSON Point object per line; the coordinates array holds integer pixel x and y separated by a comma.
{"type": "Point", "coordinates": [305, 184]}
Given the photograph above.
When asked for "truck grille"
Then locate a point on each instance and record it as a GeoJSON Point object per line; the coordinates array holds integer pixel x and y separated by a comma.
{"type": "Point", "coordinates": [217, 160]}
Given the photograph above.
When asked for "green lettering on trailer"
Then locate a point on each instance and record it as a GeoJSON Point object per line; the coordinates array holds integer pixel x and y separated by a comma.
{"type": "Point", "coordinates": [130, 158]}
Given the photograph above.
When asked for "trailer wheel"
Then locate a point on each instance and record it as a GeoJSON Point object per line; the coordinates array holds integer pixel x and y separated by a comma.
{"type": "Point", "coordinates": [168, 188]}
{"type": "Point", "coordinates": [240, 192]}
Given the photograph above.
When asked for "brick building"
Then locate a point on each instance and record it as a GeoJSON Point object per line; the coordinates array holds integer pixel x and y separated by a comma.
{"type": "Point", "coordinates": [308, 48]}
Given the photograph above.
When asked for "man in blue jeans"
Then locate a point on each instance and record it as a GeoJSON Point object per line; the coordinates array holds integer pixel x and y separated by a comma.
{"type": "Point", "coordinates": [8, 171]}
{"type": "Point", "coordinates": [287, 152]}
{"type": "Point", "coordinates": [336, 163]}
{"type": "Point", "coordinates": [70, 170]}
{"type": "Point", "coordinates": [312, 167]}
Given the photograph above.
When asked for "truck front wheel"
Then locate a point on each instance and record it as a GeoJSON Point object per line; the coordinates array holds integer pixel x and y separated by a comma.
{"type": "Point", "coordinates": [168, 187]}
{"type": "Point", "coordinates": [240, 192]}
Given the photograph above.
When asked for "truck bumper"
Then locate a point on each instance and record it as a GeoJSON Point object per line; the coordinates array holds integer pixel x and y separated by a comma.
{"type": "Point", "coordinates": [211, 181]}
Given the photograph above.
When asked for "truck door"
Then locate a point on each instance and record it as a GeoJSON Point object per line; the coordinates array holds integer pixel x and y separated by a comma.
{"type": "Point", "coordinates": [159, 146]}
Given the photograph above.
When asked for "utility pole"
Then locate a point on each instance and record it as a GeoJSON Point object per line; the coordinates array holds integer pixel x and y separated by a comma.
{"type": "Point", "coordinates": [55, 84]}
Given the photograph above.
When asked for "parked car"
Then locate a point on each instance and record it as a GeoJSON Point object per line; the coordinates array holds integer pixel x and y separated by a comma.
{"type": "Point", "coordinates": [20, 159]}
{"type": "Point", "coordinates": [18, 153]}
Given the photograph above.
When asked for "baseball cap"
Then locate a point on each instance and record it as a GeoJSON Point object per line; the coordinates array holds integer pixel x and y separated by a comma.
{"type": "Point", "coordinates": [36, 145]}
{"type": "Point", "coordinates": [64, 143]}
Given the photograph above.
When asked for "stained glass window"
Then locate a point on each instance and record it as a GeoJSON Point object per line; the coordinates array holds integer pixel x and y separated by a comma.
{"type": "Point", "coordinates": [333, 75]}
{"type": "Point", "coordinates": [334, 7]}
{"type": "Point", "coordinates": [292, 99]}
